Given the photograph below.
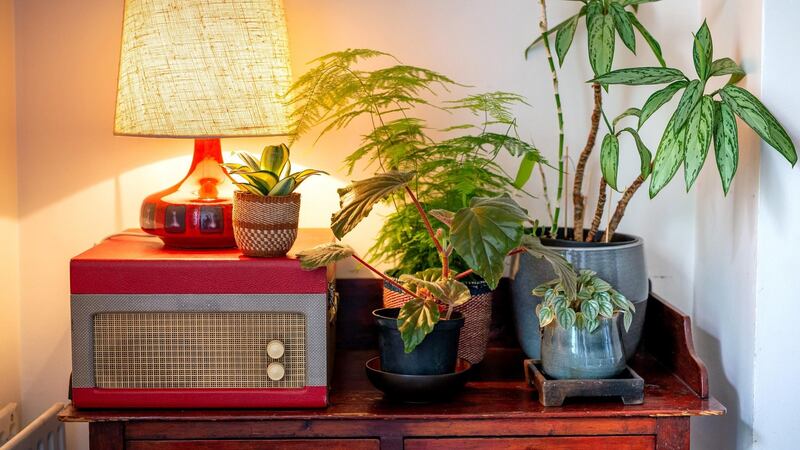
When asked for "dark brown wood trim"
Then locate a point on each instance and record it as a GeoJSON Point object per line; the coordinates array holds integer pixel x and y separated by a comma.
{"type": "Point", "coordinates": [106, 436]}
{"type": "Point", "coordinates": [672, 433]}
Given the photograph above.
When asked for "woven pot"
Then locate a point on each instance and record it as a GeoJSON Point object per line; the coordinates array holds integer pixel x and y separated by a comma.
{"type": "Point", "coordinates": [265, 226]}
{"type": "Point", "coordinates": [477, 317]}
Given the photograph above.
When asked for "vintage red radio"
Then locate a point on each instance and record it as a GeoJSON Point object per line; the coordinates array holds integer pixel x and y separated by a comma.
{"type": "Point", "coordinates": [154, 327]}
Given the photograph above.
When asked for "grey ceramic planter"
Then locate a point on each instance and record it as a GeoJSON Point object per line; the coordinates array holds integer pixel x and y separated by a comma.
{"type": "Point", "coordinates": [620, 263]}
{"type": "Point", "coordinates": [581, 354]}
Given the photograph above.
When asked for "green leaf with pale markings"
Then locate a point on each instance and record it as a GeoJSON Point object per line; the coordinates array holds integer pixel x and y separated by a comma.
{"type": "Point", "coordinates": [609, 160]}
{"type": "Point", "coordinates": [690, 98]}
{"type": "Point", "coordinates": [284, 187]}
{"type": "Point", "coordinates": [359, 197]}
{"type": "Point", "coordinates": [659, 99]}
{"type": "Point", "coordinates": [669, 157]}
{"type": "Point", "coordinates": [757, 116]}
{"type": "Point", "coordinates": [590, 309]}
{"type": "Point", "coordinates": [640, 76]}
{"type": "Point", "coordinates": [566, 318]}
{"type": "Point", "coordinates": [416, 319]}
{"type": "Point", "coordinates": [601, 38]}
{"type": "Point", "coordinates": [324, 255]}
{"type": "Point", "coordinates": [727, 66]}
{"type": "Point", "coordinates": [703, 51]}
{"type": "Point", "coordinates": [651, 41]}
{"type": "Point", "coordinates": [726, 143]}
{"type": "Point", "coordinates": [555, 29]}
{"type": "Point", "coordinates": [624, 26]}
{"type": "Point", "coordinates": [606, 308]}
{"type": "Point", "coordinates": [645, 156]}
{"type": "Point", "coordinates": [546, 316]}
{"type": "Point", "coordinates": [564, 38]}
{"type": "Point", "coordinates": [700, 131]}
{"type": "Point", "coordinates": [274, 158]}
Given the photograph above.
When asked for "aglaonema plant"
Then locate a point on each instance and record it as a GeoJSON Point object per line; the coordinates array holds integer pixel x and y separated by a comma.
{"type": "Point", "coordinates": [483, 234]}
{"type": "Point", "coordinates": [700, 117]}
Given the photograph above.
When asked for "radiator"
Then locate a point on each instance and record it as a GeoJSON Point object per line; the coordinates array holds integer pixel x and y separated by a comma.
{"type": "Point", "coordinates": [44, 433]}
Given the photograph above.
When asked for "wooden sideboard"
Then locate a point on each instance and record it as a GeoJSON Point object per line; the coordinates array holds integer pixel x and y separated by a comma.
{"type": "Point", "coordinates": [495, 410]}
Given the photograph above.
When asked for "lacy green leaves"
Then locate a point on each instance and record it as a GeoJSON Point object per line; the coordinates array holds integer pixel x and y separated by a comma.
{"type": "Point", "coordinates": [698, 120]}
{"type": "Point", "coordinates": [416, 319]}
{"type": "Point", "coordinates": [485, 232]}
{"type": "Point", "coordinates": [324, 255]}
{"type": "Point", "coordinates": [271, 175]}
{"type": "Point", "coordinates": [594, 300]}
{"type": "Point", "coordinates": [358, 198]}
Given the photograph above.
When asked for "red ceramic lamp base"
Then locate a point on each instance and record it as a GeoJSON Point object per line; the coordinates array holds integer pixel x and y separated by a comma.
{"type": "Point", "coordinates": [196, 212]}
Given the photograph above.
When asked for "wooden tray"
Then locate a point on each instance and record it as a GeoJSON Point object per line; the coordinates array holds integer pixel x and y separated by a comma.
{"type": "Point", "coordinates": [628, 385]}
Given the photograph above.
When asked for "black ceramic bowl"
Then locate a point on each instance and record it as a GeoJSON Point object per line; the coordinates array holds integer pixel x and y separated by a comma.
{"type": "Point", "coordinates": [418, 388]}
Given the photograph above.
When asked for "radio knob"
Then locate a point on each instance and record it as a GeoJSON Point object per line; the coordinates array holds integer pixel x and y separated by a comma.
{"type": "Point", "coordinates": [275, 349]}
{"type": "Point", "coordinates": [275, 371]}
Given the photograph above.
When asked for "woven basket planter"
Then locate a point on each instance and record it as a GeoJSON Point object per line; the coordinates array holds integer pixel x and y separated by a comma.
{"type": "Point", "coordinates": [477, 318]}
{"type": "Point", "coordinates": [265, 226]}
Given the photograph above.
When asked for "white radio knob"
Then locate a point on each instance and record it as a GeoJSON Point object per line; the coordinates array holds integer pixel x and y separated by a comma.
{"type": "Point", "coordinates": [275, 349]}
{"type": "Point", "coordinates": [275, 371]}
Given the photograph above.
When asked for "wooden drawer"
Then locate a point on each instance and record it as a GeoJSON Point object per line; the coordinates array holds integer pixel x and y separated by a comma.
{"type": "Point", "coordinates": [544, 443]}
{"type": "Point", "coordinates": [260, 444]}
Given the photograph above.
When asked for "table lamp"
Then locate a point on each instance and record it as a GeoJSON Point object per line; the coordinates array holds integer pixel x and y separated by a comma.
{"type": "Point", "coordinates": [201, 69]}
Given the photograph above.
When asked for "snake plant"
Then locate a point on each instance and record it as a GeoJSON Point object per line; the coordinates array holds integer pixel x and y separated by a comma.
{"type": "Point", "coordinates": [271, 175]}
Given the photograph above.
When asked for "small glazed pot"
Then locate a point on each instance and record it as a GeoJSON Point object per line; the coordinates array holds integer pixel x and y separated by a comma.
{"type": "Point", "coordinates": [579, 354]}
{"type": "Point", "coordinates": [436, 355]}
{"type": "Point", "coordinates": [265, 226]}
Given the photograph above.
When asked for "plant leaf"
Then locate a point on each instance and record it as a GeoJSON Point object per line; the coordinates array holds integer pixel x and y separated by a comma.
{"type": "Point", "coordinates": [609, 159]}
{"type": "Point", "coordinates": [703, 51]}
{"type": "Point", "coordinates": [285, 187]}
{"type": "Point", "coordinates": [627, 319]}
{"type": "Point", "coordinates": [606, 308]}
{"type": "Point", "coordinates": [416, 319]}
{"type": "Point", "coordinates": [630, 112]}
{"type": "Point", "coordinates": [250, 161]}
{"type": "Point", "coordinates": [274, 158]}
{"type": "Point", "coordinates": [651, 41]}
{"type": "Point", "coordinates": [624, 26]}
{"type": "Point", "coordinates": [669, 157]}
{"type": "Point", "coordinates": [323, 255]}
{"type": "Point", "coordinates": [659, 99]}
{"type": "Point", "coordinates": [566, 318]}
{"type": "Point", "coordinates": [555, 29]}
{"type": "Point", "coordinates": [562, 268]}
{"type": "Point", "coordinates": [525, 170]}
{"type": "Point", "coordinates": [564, 38]}
{"type": "Point", "coordinates": [359, 197]}
{"type": "Point", "coordinates": [444, 216]}
{"type": "Point", "coordinates": [698, 139]}
{"type": "Point", "coordinates": [690, 98]}
{"type": "Point", "coordinates": [590, 309]}
{"type": "Point", "coordinates": [757, 116]}
{"type": "Point", "coordinates": [249, 188]}
{"type": "Point", "coordinates": [601, 38]}
{"type": "Point", "coordinates": [301, 176]}
{"type": "Point", "coordinates": [645, 156]}
{"type": "Point", "coordinates": [450, 292]}
{"type": "Point", "coordinates": [726, 143]}
{"type": "Point", "coordinates": [483, 234]}
{"type": "Point", "coordinates": [727, 66]}
{"type": "Point", "coordinates": [546, 316]}
{"type": "Point", "coordinates": [639, 76]}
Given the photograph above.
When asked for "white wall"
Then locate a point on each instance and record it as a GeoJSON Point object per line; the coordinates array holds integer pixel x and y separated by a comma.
{"type": "Point", "coordinates": [9, 255]}
{"type": "Point", "coordinates": [777, 287]}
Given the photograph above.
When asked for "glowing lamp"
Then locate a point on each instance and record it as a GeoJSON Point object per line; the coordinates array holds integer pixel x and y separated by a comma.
{"type": "Point", "coordinates": [201, 69]}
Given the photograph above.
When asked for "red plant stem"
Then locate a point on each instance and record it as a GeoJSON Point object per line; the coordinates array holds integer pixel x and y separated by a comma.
{"type": "Point", "coordinates": [469, 272]}
{"type": "Point", "coordinates": [439, 248]}
{"type": "Point", "coordinates": [387, 278]}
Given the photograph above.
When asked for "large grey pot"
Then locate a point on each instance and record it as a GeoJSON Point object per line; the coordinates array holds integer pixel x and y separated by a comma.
{"type": "Point", "coordinates": [620, 263]}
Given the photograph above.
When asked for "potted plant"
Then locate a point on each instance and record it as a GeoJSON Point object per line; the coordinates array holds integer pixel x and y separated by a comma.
{"type": "Point", "coordinates": [703, 115]}
{"type": "Point", "coordinates": [266, 207]}
{"type": "Point", "coordinates": [453, 165]}
{"type": "Point", "coordinates": [482, 233]}
{"type": "Point", "coordinates": [581, 336]}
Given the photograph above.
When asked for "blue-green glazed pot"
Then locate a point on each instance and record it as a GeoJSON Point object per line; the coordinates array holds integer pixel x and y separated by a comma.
{"type": "Point", "coordinates": [580, 354]}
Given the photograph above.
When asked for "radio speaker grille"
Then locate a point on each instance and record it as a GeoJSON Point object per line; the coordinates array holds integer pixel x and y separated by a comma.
{"type": "Point", "coordinates": [197, 350]}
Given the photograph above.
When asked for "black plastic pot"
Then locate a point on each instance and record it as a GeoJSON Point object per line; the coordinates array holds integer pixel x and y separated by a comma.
{"type": "Point", "coordinates": [436, 355]}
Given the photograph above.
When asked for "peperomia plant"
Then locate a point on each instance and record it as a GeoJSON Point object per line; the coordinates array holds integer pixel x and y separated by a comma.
{"type": "Point", "coordinates": [595, 300]}
{"type": "Point", "coordinates": [482, 233]}
{"type": "Point", "coordinates": [698, 119]}
{"type": "Point", "coordinates": [271, 175]}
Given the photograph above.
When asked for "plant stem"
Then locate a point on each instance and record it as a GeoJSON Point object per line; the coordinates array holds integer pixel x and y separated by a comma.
{"type": "Point", "coordinates": [622, 205]}
{"type": "Point", "coordinates": [578, 199]}
{"type": "Point", "coordinates": [598, 211]}
{"type": "Point", "coordinates": [429, 228]}
{"type": "Point", "coordinates": [559, 113]}
{"type": "Point", "coordinates": [546, 193]}
{"type": "Point", "coordinates": [387, 278]}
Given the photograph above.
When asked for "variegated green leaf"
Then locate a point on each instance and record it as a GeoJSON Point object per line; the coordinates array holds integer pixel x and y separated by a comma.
{"type": "Point", "coordinates": [566, 318]}
{"type": "Point", "coordinates": [651, 41]}
{"type": "Point", "coordinates": [284, 187]}
{"type": "Point", "coordinates": [640, 76]}
{"type": "Point", "coordinates": [645, 157]}
{"type": "Point", "coordinates": [698, 139]}
{"type": "Point", "coordinates": [601, 38]}
{"type": "Point", "coordinates": [247, 187]}
{"type": "Point", "coordinates": [359, 197]}
{"type": "Point", "coordinates": [555, 29]}
{"type": "Point", "coordinates": [627, 320]}
{"type": "Point", "coordinates": [669, 157]}
{"type": "Point", "coordinates": [301, 176]}
{"type": "Point", "coordinates": [564, 38]}
{"type": "Point", "coordinates": [659, 99]}
{"type": "Point", "coordinates": [444, 216]}
{"type": "Point", "coordinates": [726, 143]}
{"type": "Point", "coordinates": [416, 320]}
{"type": "Point", "coordinates": [727, 66]}
{"type": "Point", "coordinates": [546, 316]}
{"type": "Point", "coordinates": [250, 161]}
{"type": "Point", "coordinates": [624, 26]}
{"type": "Point", "coordinates": [590, 309]}
{"type": "Point", "coordinates": [703, 51]}
{"type": "Point", "coordinates": [690, 98]}
{"type": "Point", "coordinates": [606, 308]}
{"type": "Point", "coordinates": [609, 159]}
{"type": "Point", "coordinates": [630, 112]}
{"type": "Point", "coordinates": [324, 255]}
{"type": "Point", "coordinates": [274, 158]}
{"type": "Point", "coordinates": [757, 116]}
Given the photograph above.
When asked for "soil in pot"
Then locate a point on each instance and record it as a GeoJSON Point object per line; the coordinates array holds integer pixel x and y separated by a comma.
{"type": "Point", "coordinates": [620, 262]}
{"type": "Point", "coordinates": [436, 355]}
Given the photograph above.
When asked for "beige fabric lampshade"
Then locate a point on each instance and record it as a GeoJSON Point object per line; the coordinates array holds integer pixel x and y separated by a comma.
{"type": "Point", "coordinates": [203, 68]}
